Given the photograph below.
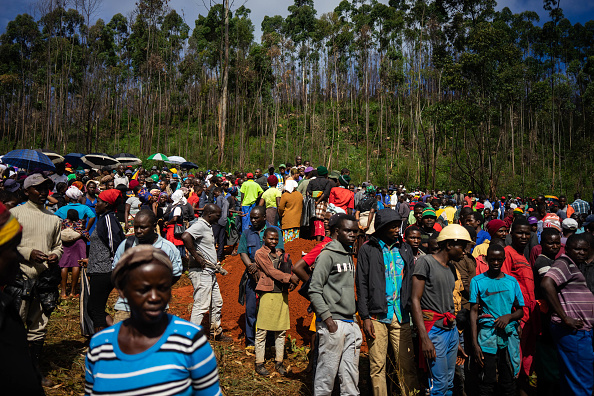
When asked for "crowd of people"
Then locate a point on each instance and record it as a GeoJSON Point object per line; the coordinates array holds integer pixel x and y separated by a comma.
{"type": "Point", "coordinates": [474, 294]}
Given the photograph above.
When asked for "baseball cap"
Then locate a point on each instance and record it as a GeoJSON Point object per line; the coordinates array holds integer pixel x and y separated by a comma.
{"type": "Point", "coordinates": [308, 169]}
{"type": "Point", "coordinates": [589, 219]}
{"type": "Point", "coordinates": [250, 175]}
{"type": "Point", "coordinates": [282, 166]}
{"type": "Point", "coordinates": [11, 185]}
{"type": "Point", "coordinates": [570, 224]}
{"type": "Point", "coordinates": [532, 220]}
{"type": "Point", "coordinates": [35, 180]}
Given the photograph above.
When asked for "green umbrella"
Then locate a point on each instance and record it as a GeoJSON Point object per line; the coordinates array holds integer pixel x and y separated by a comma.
{"type": "Point", "coordinates": [158, 157]}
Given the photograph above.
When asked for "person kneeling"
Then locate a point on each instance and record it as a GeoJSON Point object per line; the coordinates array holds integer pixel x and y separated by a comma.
{"type": "Point", "coordinates": [495, 328]}
{"type": "Point", "coordinates": [274, 274]}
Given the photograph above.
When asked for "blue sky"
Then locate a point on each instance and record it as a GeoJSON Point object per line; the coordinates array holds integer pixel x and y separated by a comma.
{"type": "Point", "coordinates": [575, 10]}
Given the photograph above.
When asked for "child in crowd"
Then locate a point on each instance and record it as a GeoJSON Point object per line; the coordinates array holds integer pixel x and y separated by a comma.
{"type": "Point", "coordinates": [74, 241]}
{"type": "Point", "coordinates": [496, 309]}
{"type": "Point", "coordinates": [274, 277]}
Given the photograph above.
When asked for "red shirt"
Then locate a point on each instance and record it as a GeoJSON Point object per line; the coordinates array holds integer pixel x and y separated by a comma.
{"type": "Point", "coordinates": [516, 265]}
{"type": "Point", "coordinates": [342, 197]}
{"type": "Point", "coordinates": [310, 257]}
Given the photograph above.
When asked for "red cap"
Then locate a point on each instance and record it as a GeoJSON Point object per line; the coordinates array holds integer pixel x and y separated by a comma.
{"type": "Point", "coordinates": [250, 175]}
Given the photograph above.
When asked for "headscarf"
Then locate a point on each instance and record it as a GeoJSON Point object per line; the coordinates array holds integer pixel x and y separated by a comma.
{"type": "Point", "coordinates": [494, 225]}
{"type": "Point", "coordinates": [370, 189]}
{"type": "Point", "coordinates": [106, 179]}
{"type": "Point", "coordinates": [163, 194]}
{"type": "Point", "coordinates": [9, 226]}
{"type": "Point", "coordinates": [333, 209]}
{"type": "Point", "coordinates": [135, 257]}
{"type": "Point", "coordinates": [71, 176]}
{"type": "Point", "coordinates": [272, 180]}
{"type": "Point", "coordinates": [155, 192]}
{"type": "Point", "coordinates": [290, 185]}
{"type": "Point", "coordinates": [78, 184]}
{"type": "Point", "coordinates": [110, 196]}
{"type": "Point", "coordinates": [74, 193]}
{"type": "Point", "coordinates": [344, 180]}
{"type": "Point", "coordinates": [144, 195]}
{"type": "Point", "coordinates": [178, 198]}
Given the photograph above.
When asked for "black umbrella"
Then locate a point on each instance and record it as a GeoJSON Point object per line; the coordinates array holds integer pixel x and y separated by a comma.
{"type": "Point", "coordinates": [75, 160]}
{"type": "Point", "coordinates": [128, 159]}
{"type": "Point", "coordinates": [188, 165]}
{"type": "Point", "coordinates": [100, 160]}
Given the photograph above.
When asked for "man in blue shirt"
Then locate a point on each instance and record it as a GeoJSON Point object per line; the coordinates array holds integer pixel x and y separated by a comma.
{"type": "Point", "coordinates": [494, 329]}
{"type": "Point", "coordinates": [145, 232]}
{"type": "Point", "coordinates": [251, 240]}
{"type": "Point", "coordinates": [384, 280]}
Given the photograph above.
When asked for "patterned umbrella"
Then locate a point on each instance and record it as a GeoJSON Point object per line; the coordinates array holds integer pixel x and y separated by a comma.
{"type": "Point", "coordinates": [175, 159]}
{"type": "Point", "coordinates": [28, 159]}
{"type": "Point", "coordinates": [158, 157]}
{"type": "Point", "coordinates": [128, 159]}
{"type": "Point", "coordinates": [100, 160]}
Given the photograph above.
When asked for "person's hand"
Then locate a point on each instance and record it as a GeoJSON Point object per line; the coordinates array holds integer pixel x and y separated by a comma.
{"type": "Point", "coordinates": [83, 262]}
{"type": "Point", "coordinates": [368, 328]}
{"type": "Point", "coordinates": [199, 261]}
{"type": "Point", "coordinates": [428, 349]}
{"type": "Point", "coordinates": [37, 256]}
{"type": "Point", "coordinates": [574, 324]}
{"type": "Point", "coordinates": [502, 321]}
{"type": "Point", "coordinates": [332, 326]}
{"type": "Point", "coordinates": [126, 228]}
{"type": "Point", "coordinates": [292, 287]}
{"type": "Point", "coordinates": [478, 354]}
{"type": "Point", "coordinates": [461, 357]}
{"type": "Point", "coordinates": [294, 280]}
{"type": "Point", "coordinates": [252, 268]}
{"type": "Point", "coordinates": [53, 259]}
{"type": "Point", "coordinates": [280, 253]}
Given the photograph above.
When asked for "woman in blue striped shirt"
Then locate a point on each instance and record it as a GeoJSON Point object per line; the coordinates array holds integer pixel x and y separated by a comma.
{"type": "Point", "coordinates": [151, 352]}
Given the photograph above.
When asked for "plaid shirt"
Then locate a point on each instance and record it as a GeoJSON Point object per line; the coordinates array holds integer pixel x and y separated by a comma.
{"type": "Point", "coordinates": [581, 206]}
{"type": "Point", "coordinates": [394, 265]}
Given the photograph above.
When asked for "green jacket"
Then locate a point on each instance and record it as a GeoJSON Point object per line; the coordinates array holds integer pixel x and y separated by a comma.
{"type": "Point", "coordinates": [332, 287]}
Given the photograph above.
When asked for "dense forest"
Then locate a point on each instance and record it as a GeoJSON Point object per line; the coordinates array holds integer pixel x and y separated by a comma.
{"type": "Point", "coordinates": [439, 94]}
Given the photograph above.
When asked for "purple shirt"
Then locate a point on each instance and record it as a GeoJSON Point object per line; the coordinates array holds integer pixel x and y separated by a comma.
{"type": "Point", "coordinates": [575, 297]}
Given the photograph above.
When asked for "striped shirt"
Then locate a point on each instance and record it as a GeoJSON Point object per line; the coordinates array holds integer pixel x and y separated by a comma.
{"type": "Point", "coordinates": [180, 363]}
{"type": "Point", "coordinates": [576, 299]}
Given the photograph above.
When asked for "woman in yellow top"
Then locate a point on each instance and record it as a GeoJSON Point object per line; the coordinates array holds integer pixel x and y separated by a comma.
{"type": "Point", "coordinates": [271, 199]}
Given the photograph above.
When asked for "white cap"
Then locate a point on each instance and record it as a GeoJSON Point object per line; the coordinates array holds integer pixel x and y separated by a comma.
{"type": "Point", "coordinates": [570, 224]}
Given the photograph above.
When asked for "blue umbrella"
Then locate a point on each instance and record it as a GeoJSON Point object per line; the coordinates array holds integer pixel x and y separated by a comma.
{"type": "Point", "coordinates": [29, 159]}
{"type": "Point", "coordinates": [74, 159]}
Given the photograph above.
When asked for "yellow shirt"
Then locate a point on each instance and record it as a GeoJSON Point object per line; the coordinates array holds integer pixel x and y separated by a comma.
{"type": "Point", "coordinates": [250, 190]}
{"type": "Point", "coordinates": [270, 196]}
{"type": "Point", "coordinates": [481, 250]}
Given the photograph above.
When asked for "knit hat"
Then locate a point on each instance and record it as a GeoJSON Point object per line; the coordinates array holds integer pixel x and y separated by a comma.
{"type": "Point", "coordinates": [110, 196]}
{"type": "Point", "coordinates": [495, 225]}
{"type": "Point", "coordinates": [518, 210]}
{"type": "Point", "coordinates": [344, 180]}
{"type": "Point", "coordinates": [272, 180]}
{"type": "Point", "coordinates": [133, 183]}
{"type": "Point", "coordinates": [136, 256]}
{"type": "Point", "coordinates": [429, 212]}
{"type": "Point", "coordinates": [334, 175]}
{"type": "Point", "coordinates": [322, 171]}
{"type": "Point", "coordinates": [9, 226]}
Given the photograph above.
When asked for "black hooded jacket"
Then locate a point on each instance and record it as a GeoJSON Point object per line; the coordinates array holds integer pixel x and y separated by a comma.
{"type": "Point", "coordinates": [371, 279]}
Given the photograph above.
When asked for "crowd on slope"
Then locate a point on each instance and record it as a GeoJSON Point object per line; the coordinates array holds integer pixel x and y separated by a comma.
{"type": "Point", "coordinates": [474, 295]}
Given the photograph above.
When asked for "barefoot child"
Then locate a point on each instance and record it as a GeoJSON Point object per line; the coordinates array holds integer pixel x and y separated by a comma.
{"type": "Point", "coordinates": [494, 325]}
{"type": "Point", "coordinates": [273, 310]}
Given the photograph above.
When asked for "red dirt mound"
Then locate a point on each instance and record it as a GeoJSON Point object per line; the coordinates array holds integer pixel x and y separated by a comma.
{"type": "Point", "coordinates": [233, 313]}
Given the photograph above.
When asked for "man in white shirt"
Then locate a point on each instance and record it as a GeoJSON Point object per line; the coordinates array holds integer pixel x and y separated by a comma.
{"type": "Point", "coordinates": [120, 177]}
{"type": "Point", "coordinates": [59, 176]}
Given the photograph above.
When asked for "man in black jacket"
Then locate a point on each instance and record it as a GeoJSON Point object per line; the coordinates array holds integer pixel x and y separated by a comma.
{"type": "Point", "coordinates": [384, 284]}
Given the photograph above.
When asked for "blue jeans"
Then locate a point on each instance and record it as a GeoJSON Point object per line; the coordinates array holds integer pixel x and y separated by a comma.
{"type": "Point", "coordinates": [576, 360]}
{"type": "Point", "coordinates": [245, 222]}
{"type": "Point", "coordinates": [444, 366]}
{"type": "Point", "coordinates": [251, 309]}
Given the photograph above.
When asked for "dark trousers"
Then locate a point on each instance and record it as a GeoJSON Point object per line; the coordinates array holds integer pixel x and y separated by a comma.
{"type": "Point", "coordinates": [100, 285]}
{"type": "Point", "coordinates": [251, 309]}
{"type": "Point", "coordinates": [497, 370]}
{"type": "Point", "coordinates": [219, 236]}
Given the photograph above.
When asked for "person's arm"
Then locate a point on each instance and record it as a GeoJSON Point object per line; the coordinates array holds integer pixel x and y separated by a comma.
{"type": "Point", "coordinates": [278, 201]}
{"type": "Point", "coordinates": [478, 353]}
{"type": "Point", "coordinates": [550, 291]}
{"type": "Point", "coordinates": [261, 202]}
{"type": "Point", "coordinates": [418, 287]}
{"type": "Point", "coordinates": [56, 250]}
{"type": "Point", "coordinates": [126, 214]}
{"type": "Point", "coordinates": [188, 241]}
{"type": "Point", "coordinates": [502, 321]}
{"type": "Point", "coordinates": [282, 204]}
{"type": "Point", "coordinates": [176, 262]}
{"type": "Point", "coordinates": [302, 270]}
{"type": "Point", "coordinates": [52, 200]}
{"type": "Point", "coordinates": [362, 287]}
{"type": "Point", "coordinates": [316, 291]}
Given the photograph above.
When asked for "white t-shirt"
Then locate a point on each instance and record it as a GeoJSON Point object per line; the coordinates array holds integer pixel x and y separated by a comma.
{"type": "Point", "coordinates": [134, 203]}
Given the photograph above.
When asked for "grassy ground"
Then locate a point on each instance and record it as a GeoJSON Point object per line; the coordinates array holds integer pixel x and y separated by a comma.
{"type": "Point", "coordinates": [65, 349]}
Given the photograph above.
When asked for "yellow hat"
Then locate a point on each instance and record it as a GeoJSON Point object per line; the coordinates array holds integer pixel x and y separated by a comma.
{"type": "Point", "coordinates": [173, 170]}
{"type": "Point", "coordinates": [454, 232]}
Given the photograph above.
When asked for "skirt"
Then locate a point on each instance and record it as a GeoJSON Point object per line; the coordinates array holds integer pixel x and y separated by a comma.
{"type": "Point", "coordinates": [272, 216]}
{"type": "Point", "coordinates": [290, 234]}
{"type": "Point", "coordinates": [273, 312]}
{"type": "Point", "coordinates": [73, 252]}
